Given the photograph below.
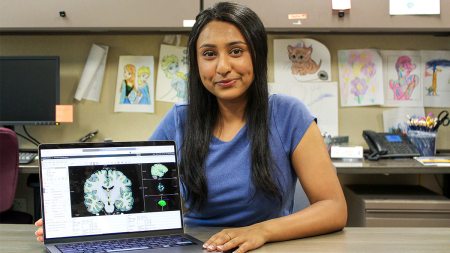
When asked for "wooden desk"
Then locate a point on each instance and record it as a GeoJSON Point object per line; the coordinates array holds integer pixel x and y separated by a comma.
{"type": "Point", "coordinates": [20, 238]}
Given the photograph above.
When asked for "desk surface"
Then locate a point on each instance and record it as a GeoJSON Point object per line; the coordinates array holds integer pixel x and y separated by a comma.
{"type": "Point", "coordinates": [386, 166]}
{"type": "Point", "coordinates": [389, 166]}
{"type": "Point", "coordinates": [20, 238]}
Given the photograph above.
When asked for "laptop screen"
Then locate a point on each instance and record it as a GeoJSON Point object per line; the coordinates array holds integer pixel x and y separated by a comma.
{"type": "Point", "coordinates": [109, 188]}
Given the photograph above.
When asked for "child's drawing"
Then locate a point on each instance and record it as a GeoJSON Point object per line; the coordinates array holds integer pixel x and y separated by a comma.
{"type": "Point", "coordinates": [360, 77]}
{"type": "Point", "coordinates": [135, 87]}
{"type": "Point", "coordinates": [436, 78]}
{"type": "Point", "coordinates": [143, 75]}
{"type": "Point", "coordinates": [402, 86]}
{"type": "Point", "coordinates": [302, 63]}
{"type": "Point", "coordinates": [172, 74]}
{"type": "Point", "coordinates": [321, 99]}
{"type": "Point", "coordinates": [301, 60]}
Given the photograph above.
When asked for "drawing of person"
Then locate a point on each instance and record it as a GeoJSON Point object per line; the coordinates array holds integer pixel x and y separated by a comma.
{"type": "Point", "coordinates": [404, 86]}
{"type": "Point", "coordinates": [433, 65]}
{"type": "Point", "coordinates": [128, 92]}
{"type": "Point", "coordinates": [143, 75]}
{"type": "Point", "coordinates": [178, 79]}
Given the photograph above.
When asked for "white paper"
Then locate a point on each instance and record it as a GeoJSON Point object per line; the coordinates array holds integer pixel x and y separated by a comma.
{"type": "Point", "coordinates": [360, 77]}
{"type": "Point", "coordinates": [320, 97]}
{"type": "Point", "coordinates": [301, 60]}
{"type": "Point", "coordinates": [414, 7]}
{"type": "Point", "coordinates": [340, 4]}
{"type": "Point", "coordinates": [135, 85]}
{"type": "Point", "coordinates": [91, 80]}
{"type": "Point", "coordinates": [402, 78]}
{"type": "Point", "coordinates": [171, 82]}
{"type": "Point", "coordinates": [436, 78]}
{"type": "Point", "coordinates": [395, 120]}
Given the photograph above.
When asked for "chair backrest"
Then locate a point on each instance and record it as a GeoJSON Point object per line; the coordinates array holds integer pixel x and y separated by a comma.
{"type": "Point", "coordinates": [9, 167]}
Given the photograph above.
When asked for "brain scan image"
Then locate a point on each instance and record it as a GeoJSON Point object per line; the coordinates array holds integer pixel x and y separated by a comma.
{"type": "Point", "coordinates": [162, 203]}
{"type": "Point", "coordinates": [108, 191]}
{"type": "Point", "coordinates": [158, 171]}
{"type": "Point", "coordinates": [161, 187]}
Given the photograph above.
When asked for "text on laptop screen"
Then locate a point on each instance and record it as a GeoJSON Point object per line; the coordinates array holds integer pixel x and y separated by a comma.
{"type": "Point", "coordinates": [95, 191]}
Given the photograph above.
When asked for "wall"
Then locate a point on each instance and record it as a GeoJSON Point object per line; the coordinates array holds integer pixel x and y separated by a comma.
{"type": "Point", "coordinates": [73, 50]}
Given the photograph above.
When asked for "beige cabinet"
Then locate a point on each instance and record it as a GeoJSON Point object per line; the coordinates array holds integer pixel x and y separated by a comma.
{"type": "Point", "coordinates": [364, 16]}
{"type": "Point", "coordinates": [395, 206]}
{"type": "Point", "coordinates": [97, 15]}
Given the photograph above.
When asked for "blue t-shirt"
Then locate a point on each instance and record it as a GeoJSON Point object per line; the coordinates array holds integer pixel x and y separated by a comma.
{"type": "Point", "coordinates": [232, 198]}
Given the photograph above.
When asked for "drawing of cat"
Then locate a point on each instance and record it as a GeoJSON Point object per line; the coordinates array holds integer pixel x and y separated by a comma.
{"type": "Point", "coordinates": [300, 56]}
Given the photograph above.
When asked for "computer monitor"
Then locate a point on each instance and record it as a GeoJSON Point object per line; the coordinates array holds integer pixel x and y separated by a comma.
{"type": "Point", "coordinates": [29, 90]}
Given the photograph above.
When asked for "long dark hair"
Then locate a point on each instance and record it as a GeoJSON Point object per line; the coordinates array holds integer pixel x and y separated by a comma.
{"type": "Point", "coordinates": [202, 112]}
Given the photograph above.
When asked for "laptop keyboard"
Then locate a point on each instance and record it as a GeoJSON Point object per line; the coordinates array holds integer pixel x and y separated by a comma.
{"type": "Point", "coordinates": [126, 244]}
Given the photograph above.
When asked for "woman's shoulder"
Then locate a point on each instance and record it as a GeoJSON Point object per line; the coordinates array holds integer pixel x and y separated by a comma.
{"type": "Point", "coordinates": [284, 108]}
{"type": "Point", "coordinates": [180, 107]}
{"type": "Point", "coordinates": [281, 101]}
{"type": "Point", "coordinates": [180, 111]}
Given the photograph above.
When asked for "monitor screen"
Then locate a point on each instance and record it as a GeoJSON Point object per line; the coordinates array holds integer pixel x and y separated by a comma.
{"type": "Point", "coordinates": [29, 90]}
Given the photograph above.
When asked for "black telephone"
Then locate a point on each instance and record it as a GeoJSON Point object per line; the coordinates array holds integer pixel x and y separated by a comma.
{"type": "Point", "coordinates": [388, 145]}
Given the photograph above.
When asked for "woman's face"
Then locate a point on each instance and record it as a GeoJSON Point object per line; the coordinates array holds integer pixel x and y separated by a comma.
{"type": "Point", "coordinates": [126, 74]}
{"type": "Point", "coordinates": [173, 68]}
{"type": "Point", "coordinates": [143, 76]}
{"type": "Point", "coordinates": [224, 61]}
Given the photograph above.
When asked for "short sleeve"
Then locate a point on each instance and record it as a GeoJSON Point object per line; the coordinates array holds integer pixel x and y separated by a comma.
{"type": "Point", "coordinates": [291, 118]}
{"type": "Point", "coordinates": [166, 129]}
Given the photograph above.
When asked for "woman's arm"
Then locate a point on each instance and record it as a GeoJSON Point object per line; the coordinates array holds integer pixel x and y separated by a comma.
{"type": "Point", "coordinates": [327, 212]}
{"type": "Point", "coordinates": [328, 209]}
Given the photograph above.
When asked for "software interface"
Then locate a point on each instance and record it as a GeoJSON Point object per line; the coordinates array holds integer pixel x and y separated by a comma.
{"type": "Point", "coordinates": [93, 191]}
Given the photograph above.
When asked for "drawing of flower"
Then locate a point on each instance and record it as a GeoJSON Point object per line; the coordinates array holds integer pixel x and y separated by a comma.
{"type": "Point", "coordinates": [359, 88]}
{"type": "Point", "coordinates": [354, 57]}
{"type": "Point", "coordinates": [369, 69]}
{"type": "Point", "coordinates": [357, 68]}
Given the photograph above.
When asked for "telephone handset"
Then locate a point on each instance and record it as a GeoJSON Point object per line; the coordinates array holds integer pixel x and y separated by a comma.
{"type": "Point", "coordinates": [388, 145]}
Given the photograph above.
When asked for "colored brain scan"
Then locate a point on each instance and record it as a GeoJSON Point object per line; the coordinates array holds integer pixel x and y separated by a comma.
{"type": "Point", "coordinates": [108, 191]}
{"type": "Point", "coordinates": [158, 171]}
{"type": "Point", "coordinates": [161, 187]}
{"type": "Point", "coordinates": [162, 203]}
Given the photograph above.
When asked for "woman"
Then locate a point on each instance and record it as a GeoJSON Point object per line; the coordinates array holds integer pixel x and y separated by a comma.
{"type": "Point", "coordinates": [404, 86]}
{"type": "Point", "coordinates": [143, 75]}
{"type": "Point", "coordinates": [128, 92]}
{"type": "Point", "coordinates": [241, 151]}
{"type": "Point", "coordinates": [170, 66]}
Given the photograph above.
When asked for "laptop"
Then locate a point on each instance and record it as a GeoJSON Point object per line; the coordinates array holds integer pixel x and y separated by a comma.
{"type": "Point", "coordinates": [112, 197]}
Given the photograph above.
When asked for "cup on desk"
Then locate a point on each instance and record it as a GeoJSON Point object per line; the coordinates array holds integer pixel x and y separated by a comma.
{"type": "Point", "coordinates": [425, 141]}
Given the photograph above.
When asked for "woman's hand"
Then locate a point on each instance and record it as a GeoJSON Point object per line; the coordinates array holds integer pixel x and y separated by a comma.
{"type": "Point", "coordinates": [243, 239]}
{"type": "Point", "coordinates": [39, 232]}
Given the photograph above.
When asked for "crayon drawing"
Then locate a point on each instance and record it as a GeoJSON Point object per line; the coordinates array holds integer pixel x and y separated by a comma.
{"type": "Point", "coordinates": [436, 78]}
{"type": "Point", "coordinates": [360, 77]}
{"type": "Point", "coordinates": [135, 86]}
{"type": "Point", "coordinates": [301, 60]}
{"type": "Point", "coordinates": [402, 85]}
{"type": "Point", "coordinates": [171, 84]}
{"type": "Point", "coordinates": [320, 98]}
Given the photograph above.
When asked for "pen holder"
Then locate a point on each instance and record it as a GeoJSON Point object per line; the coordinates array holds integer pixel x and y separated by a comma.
{"type": "Point", "coordinates": [424, 141]}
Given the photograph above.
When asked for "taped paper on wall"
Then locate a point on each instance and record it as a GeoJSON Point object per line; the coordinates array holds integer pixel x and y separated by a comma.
{"type": "Point", "coordinates": [91, 81]}
{"type": "Point", "coordinates": [320, 97]}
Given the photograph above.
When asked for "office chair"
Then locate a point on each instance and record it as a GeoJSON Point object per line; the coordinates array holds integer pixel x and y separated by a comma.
{"type": "Point", "coordinates": [9, 173]}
